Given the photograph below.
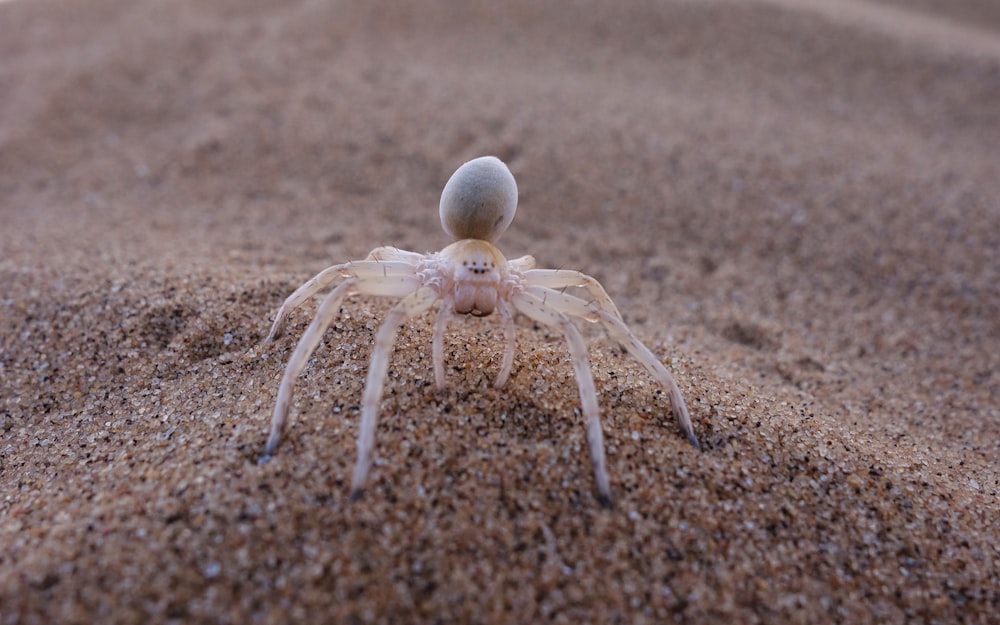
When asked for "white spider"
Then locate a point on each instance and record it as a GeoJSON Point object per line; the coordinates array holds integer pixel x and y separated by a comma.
{"type": "Point", "coordinates": [469, 277]}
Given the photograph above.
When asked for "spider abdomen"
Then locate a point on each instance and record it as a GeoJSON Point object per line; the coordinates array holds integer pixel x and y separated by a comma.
{"type": "Point", "coordinates": [479, 200]}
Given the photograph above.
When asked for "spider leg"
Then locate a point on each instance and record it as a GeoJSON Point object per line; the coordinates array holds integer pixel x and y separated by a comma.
{"type": "Point", "coordinates": [378, 271]}
{"type": "Point", "coordinates": [322, 280]}
{"type": "Point", "coordinates": [394, 253]}
{"type": "Point", "coordinates": [541, 311]}
{"type": "Point", "coordinates": [445, 313]}
{"type": "Point", "coordinates": [522, 263]}
{"type": "Point", "coordinates": [576, 307]}
{"type": "Point", "coordinates": [410, 306]}
{"type": "Point", "coordinates": [561, 278]}
{"type": "Point", "coordinates": [307, 344]}
{"type": "Point", "coordinates": [390, 285]}
{"type": "Point", "coordinates": [510, 341]}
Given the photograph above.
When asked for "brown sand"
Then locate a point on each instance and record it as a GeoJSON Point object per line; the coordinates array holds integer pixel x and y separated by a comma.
{"type": "Point", "coordinates": [794, 204]}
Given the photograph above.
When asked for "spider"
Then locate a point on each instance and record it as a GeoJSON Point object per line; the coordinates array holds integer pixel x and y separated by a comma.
{"type": "Point", "coordinates": [468, 277]}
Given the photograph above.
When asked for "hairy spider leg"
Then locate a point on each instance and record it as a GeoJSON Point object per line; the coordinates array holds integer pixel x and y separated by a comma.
{"type": "Point", "coordinates": [445, 313]}
{"type": "Point", "coordinates": [364, 281]}
{"type": "Point", "coordinates": [307, 344]}
{"type": "Point", "coordinates": [510, 342]}
{"type": "Point", "coordinates": [394, 253]}
{"type": "Point", "coordinates": [562, 278]}
{"type": "Point", "coordinates": [322, 280]}
{"type": "Point", "coordinates": [410, 306]}
{"type": "Point", "coordinates": [536, 308]}
{"type": "Point", "coordinates": [576, 307]}
{"type": "Point", "coordinates": [379, 271]}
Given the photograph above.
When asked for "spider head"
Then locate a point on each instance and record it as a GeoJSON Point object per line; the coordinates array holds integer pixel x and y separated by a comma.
{"type": "Point", "coordinates": [479, 200]}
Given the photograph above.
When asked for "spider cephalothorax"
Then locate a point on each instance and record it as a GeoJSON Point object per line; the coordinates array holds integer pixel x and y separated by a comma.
{"type": "Point", "coordinates": [470, 276]}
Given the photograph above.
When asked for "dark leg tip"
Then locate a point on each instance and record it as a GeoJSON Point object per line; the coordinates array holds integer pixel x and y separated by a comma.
{"type": "Point", "coordinates": [264, 459]}
{"type": "Point", "coordinates": [694, 441]}
{"type": "Point", "coordinates": [357, 494]}
{"type": "Point", "coordinates": [605, 501]}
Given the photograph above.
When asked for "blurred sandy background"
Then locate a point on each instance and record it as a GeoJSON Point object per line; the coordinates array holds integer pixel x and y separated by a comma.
{"type": "Point", "coordinates": [795, 205]}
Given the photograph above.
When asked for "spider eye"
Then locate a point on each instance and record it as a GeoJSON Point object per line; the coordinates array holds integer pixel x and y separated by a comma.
{"type": "Point", "coordinates": [479, 200]}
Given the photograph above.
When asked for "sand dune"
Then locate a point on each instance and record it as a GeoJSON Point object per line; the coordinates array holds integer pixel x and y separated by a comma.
{"type": "Point", "coordinates": [794, 204]}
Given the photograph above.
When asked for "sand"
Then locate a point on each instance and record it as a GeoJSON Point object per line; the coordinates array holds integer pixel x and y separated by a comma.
{"type": "Point", "coordinates": [794, 204]}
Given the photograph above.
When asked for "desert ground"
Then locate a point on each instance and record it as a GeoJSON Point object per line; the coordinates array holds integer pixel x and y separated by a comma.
{"type": "Point", "coordinates": [794, 204]}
